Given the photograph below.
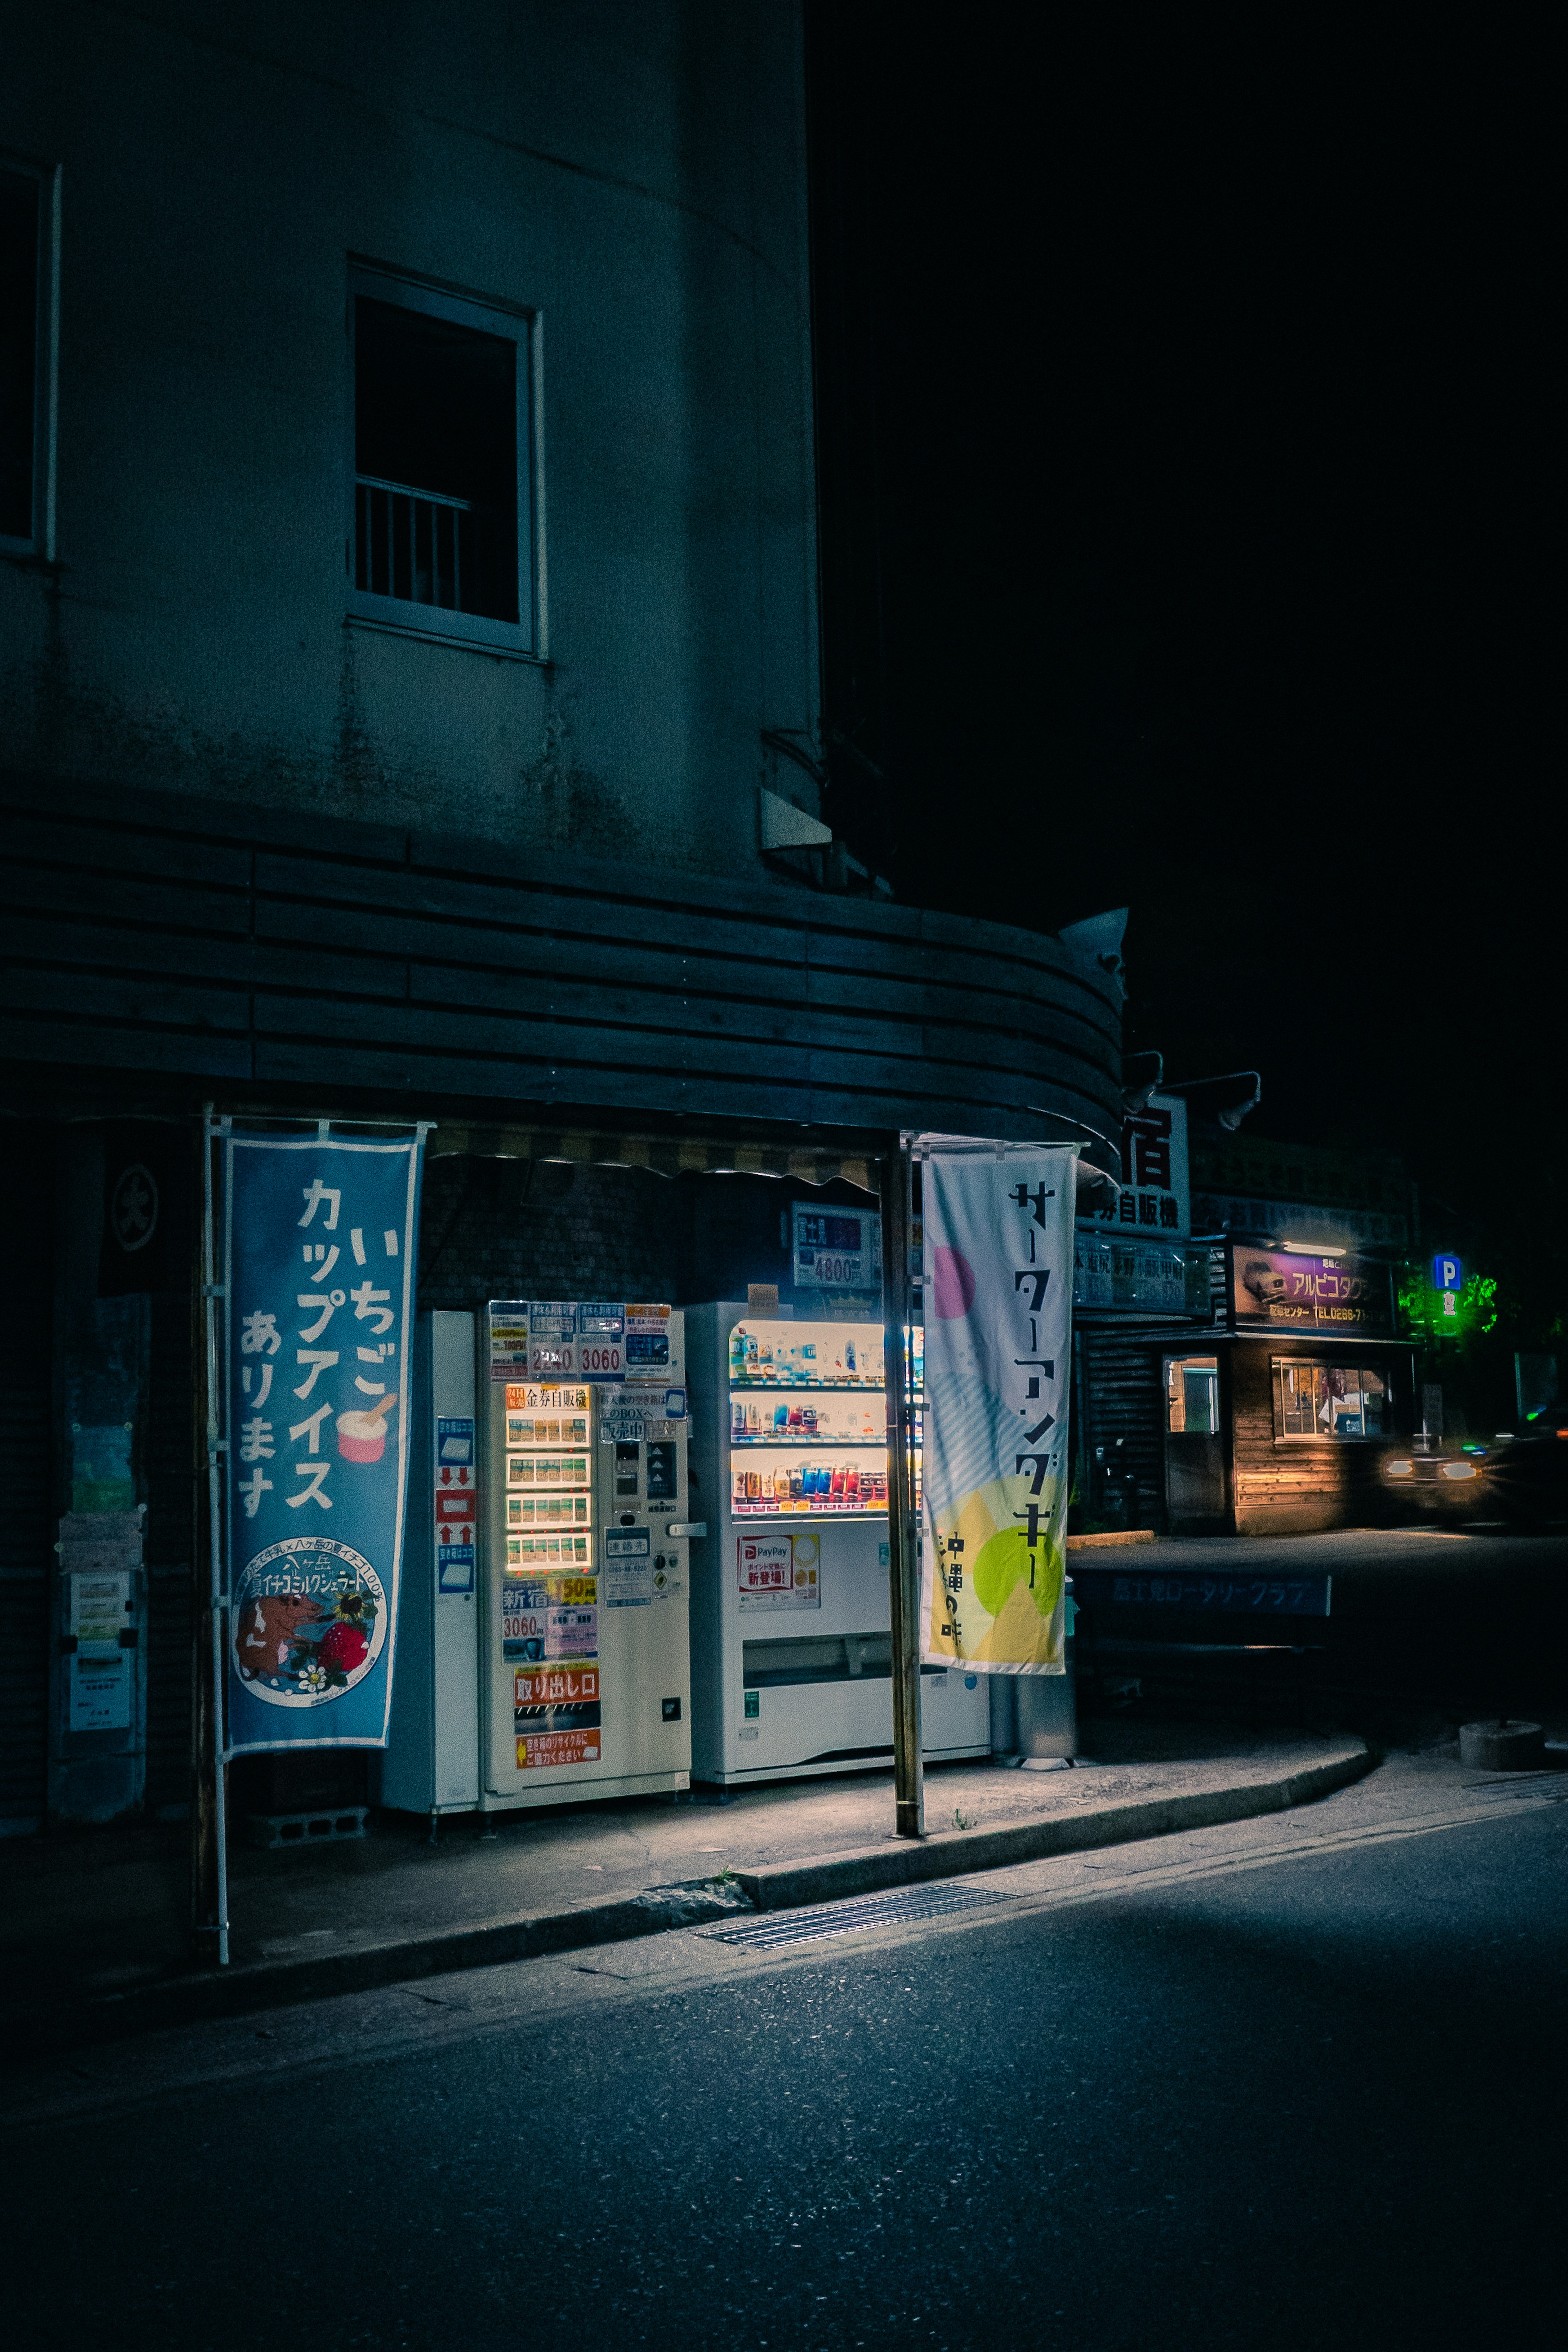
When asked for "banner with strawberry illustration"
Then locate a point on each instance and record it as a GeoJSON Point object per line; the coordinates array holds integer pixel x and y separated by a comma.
{"type": "Point", "coordinates": [320, 1240]}
{"type": "Point", "coordinates": [998, 1268]}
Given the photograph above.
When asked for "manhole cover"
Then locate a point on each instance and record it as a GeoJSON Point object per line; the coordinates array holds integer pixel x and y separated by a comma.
{"type": "Point", "coordinates": [813, 1921]}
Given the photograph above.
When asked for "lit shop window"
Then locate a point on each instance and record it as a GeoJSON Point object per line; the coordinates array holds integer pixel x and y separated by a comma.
{"type": "Point", "coordinates": [1314, 1399]}
{"type": "Point", "coordinates": [1192, 1396]}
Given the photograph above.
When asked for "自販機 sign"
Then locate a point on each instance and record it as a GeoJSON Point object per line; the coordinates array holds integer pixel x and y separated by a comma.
{"type": "Point", "coordinates": [319, 1259]}
{"type": "Point", "coordinates": [998, 1276]}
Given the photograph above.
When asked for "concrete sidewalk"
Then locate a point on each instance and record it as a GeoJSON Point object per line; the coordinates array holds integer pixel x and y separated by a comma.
{"type": "Point", "coordinates": [93, 1940]}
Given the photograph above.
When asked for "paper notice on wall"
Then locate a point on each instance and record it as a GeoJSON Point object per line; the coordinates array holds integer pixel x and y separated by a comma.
{"type": "Point", "coordinates": [100, 1671]}
{"type": "Point", "coordinates": [105, 1540]}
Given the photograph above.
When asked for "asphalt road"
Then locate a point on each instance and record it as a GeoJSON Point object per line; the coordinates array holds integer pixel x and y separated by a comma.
{"type": "Point", "coordinates": [1294, 2083]}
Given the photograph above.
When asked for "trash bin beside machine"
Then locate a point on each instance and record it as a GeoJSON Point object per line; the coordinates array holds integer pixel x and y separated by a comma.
{"type": "Point", "coordinates": [575, 1681]}
{"type": "Point", "coordinates": [791, 1622]}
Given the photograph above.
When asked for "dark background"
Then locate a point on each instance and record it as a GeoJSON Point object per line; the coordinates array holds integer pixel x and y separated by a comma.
{"type": "Point", "coordinates": [1181, 393]}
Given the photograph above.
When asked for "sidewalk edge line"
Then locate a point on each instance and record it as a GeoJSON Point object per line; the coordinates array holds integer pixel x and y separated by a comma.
{"type": "Point", "coordinates": [272, 1984]}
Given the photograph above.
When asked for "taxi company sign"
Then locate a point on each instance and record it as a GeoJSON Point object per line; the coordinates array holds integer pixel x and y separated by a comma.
{"type": "Point", "coordinates": [1289, 1290]}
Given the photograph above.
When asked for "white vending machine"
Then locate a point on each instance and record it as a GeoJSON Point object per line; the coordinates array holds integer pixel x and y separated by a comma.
{"type": "Point", "coordinates": [791, 1619]}
{"type": "Point", "coordinates": [431, 1759]}
{"type": "Point", "coordinates": [546, 1658]}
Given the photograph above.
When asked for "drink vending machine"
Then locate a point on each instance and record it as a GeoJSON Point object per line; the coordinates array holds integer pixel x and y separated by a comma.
{"type": "Point", "coordinates": [562, 1671]}
{"type": "Point", "coordinates": [792, 1622]}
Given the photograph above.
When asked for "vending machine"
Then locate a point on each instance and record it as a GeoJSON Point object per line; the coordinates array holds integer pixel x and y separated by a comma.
{"type": "Point", "coordinates": [542, 1627]}
{"type": "Point", "coordinates": [791, 1625]}
{"type": "Point", "coordinates": [585, 1509]}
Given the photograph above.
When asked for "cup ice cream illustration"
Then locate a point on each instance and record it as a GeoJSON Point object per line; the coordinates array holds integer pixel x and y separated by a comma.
{"type": "Point", "coordinates": [362, 1436]}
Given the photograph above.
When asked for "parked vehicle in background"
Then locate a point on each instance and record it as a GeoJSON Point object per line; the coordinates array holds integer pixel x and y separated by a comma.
{"type": "Point", "coordinates": [1526, 1475]}
{"type": "Point", "coordinates": [1446, 1482]}
{"type": "Point", "coordinates": [1523, 1478]}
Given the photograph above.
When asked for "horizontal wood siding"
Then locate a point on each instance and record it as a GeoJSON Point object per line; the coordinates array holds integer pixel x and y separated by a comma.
{"type": "Point", "coordinates": [1291, 1487]}
{"type": "Point", "coordinates": [157, 934]}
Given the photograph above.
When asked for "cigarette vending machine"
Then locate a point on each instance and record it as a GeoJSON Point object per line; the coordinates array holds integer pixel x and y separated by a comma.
{"type": "Point", "coordinates": [543, 1628]}
{"type": "Point", "coordinates": [791, 1626]}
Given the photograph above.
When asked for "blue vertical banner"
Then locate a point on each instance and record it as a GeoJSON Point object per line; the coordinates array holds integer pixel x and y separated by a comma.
{"type": "Point", "coordinates": [319, 1241]}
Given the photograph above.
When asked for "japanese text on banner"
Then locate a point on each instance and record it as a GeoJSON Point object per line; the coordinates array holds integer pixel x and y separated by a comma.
{"type": "Point", "coordinates": [998, 1260]}
{"type": "Point", "coordinates": [320, 1250]}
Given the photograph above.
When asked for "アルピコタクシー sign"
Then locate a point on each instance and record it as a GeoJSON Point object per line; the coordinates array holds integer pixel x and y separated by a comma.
{"type": "Point", "coordinates": [1289, 1290]}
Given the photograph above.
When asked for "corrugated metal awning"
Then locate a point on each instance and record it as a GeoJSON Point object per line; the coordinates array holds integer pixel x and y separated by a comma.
{"type": "Point", "coordinates": [663, 1155]}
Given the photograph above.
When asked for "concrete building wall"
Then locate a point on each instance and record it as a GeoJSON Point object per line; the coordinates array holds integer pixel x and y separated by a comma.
{"type": "Point", "coordinates": [632, 175]}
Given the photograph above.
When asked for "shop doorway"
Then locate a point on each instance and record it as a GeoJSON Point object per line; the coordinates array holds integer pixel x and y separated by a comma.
{"type": "Point", "coordinates": [1194, 1457]}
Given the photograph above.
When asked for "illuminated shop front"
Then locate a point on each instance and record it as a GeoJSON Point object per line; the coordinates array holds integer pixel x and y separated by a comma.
{"type": "Point", "coordinates": [1259, 1403]}
{"type": "Point", "coordinates": [1311, 1386]}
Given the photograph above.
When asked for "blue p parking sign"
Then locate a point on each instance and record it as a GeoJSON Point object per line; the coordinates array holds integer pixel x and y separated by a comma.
{"type": "Point", "coordinates": [1447, 1273]}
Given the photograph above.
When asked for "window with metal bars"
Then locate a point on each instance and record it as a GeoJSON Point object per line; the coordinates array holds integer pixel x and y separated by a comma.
{"type": "Point", "coordinates": [20, 222]}
{"type": "Point", "coordinates": [440, 541]}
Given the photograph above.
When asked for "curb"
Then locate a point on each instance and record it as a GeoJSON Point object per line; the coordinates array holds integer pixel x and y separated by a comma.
{"type": "Point", "coordinates": [214, 1994]}
{"type": "Point", "coordinates": [210, 1994]}
{"type": "Point", "coordinates": [872, 1869]}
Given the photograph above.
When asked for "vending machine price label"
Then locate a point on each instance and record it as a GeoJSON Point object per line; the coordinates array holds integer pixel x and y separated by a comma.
{"type": "Point", "coordinates": [508, 1337]}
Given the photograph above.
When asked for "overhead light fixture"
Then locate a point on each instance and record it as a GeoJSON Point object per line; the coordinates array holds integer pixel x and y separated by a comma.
{"type": "Point", "coordinates": [1314, 1249]}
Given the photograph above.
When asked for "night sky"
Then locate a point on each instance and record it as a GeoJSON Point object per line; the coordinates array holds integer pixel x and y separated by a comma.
{"type": "Point", "coordinates": [1205, 386]}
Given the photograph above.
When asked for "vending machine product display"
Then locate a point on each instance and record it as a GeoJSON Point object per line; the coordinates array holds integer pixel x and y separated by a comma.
{"type": "Point", "coordinates": [587, 1679]}
{"type": "Point", "coordinates": [545, 1653]}
{"type": "Point", "coordinates": [791, 1629]}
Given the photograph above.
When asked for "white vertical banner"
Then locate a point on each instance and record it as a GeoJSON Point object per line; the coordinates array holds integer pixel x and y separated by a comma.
{"type": "Point", "coordinates": [998, 1265]}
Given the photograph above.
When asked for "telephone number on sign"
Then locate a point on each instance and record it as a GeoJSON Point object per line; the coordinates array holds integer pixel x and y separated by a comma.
{"type": "Point", "coordinates": [591, 1359]}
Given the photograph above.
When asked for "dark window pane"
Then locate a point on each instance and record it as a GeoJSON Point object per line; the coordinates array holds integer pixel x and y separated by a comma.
{"type": "Point", "coordinates": [435, 418]}
{"type": "Point", "coordinates": [18, 348]}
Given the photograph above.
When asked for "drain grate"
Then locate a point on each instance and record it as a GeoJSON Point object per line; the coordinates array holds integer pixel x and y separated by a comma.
{"type": "Point", "coordinates": [813, 1921]}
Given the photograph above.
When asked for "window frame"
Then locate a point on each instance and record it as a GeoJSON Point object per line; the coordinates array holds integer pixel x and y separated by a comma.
{"type": "Point", "coordinates": [40, 540]}
{"type": "Point", "coordinates": [1283, 1436]}
{"type": "Point", "coordinates": [524, 638]}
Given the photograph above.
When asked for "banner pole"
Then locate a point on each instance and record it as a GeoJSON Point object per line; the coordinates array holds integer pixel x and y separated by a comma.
{"type": "Point", "coordinates": [209, 1855]}
{"type": "Point", "coordinates": [903, 1529]}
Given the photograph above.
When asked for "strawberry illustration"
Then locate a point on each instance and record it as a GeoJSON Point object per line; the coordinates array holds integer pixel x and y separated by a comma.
{"type": "Point", "coordinates": [343, 1647]}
